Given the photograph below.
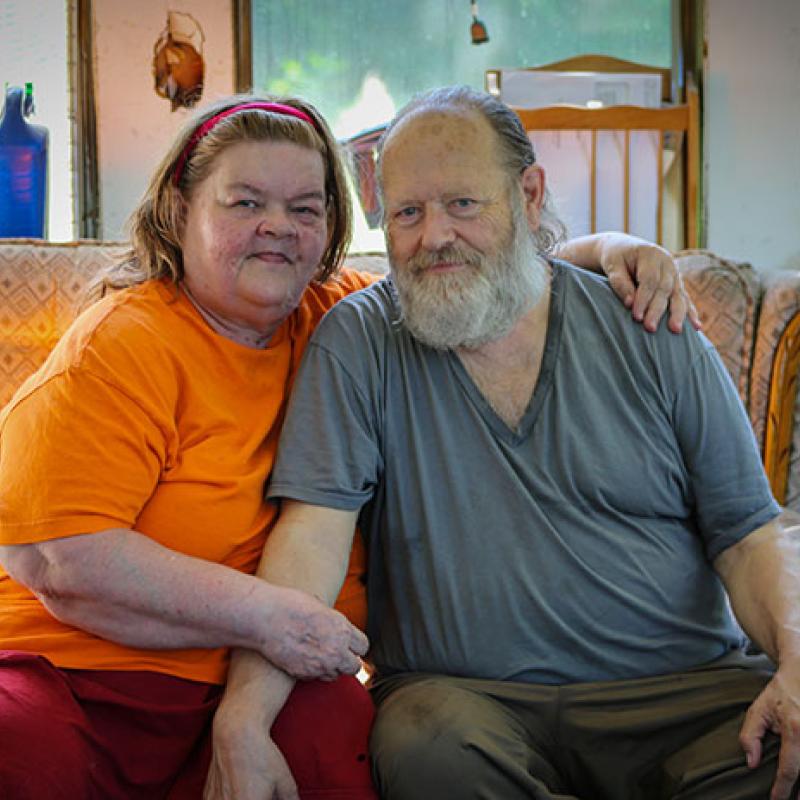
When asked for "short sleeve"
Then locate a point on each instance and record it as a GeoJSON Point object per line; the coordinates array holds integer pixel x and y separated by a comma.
{"type": "Point", "coordinates": [731, 491]}
{"type": "Point", "coordinates": [77, 455]}
{"type": "Point", "coordinates": [329, 451]}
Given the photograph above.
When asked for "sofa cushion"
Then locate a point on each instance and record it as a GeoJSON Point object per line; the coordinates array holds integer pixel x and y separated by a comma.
{"type": "Point", "coordinates": [368, 262]}
{"type": "Point", "coordinates": [42, 288]}
{"type": "Point", "coordinates": [727, 295]}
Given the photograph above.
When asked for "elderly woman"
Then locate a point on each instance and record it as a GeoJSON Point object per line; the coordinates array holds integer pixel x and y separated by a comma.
{"type": "Point", "coordinates": [132, 467]}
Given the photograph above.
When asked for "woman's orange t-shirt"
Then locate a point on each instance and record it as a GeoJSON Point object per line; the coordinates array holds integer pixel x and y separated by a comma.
{"type": "Point", "coordinates": [144, 418]}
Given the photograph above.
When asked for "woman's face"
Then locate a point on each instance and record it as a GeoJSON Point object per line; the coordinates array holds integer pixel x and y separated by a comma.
{"type": "Point", "coordinates": [254, 233]}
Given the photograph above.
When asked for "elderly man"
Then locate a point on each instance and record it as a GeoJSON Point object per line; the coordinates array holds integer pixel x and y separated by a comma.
{"type": "Point", "coordinates": [554, 503]}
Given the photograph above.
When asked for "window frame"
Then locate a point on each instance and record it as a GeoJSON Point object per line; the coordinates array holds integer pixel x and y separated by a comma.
{"type": "Point", "coordinates": [87, 200]}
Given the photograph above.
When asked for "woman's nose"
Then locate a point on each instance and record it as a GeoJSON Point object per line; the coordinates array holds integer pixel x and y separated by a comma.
{"type": "Point", "coordinates": [275, 222]}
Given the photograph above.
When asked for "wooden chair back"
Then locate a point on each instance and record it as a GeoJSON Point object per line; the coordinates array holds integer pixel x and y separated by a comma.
{"type": "Point", "coordinates": [683, 118]}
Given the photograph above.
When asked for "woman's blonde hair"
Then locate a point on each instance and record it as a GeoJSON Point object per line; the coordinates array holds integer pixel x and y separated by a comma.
{"type": "Point", "coordinates": [155, 224]}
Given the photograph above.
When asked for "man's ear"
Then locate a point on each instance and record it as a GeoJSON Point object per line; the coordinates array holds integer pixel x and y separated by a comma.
{"type": "Point", "coordinates": [532, 182]}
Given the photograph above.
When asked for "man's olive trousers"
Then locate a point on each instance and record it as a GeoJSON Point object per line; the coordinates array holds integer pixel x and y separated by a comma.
{"type": "Point", "coordinates": [670, 736]}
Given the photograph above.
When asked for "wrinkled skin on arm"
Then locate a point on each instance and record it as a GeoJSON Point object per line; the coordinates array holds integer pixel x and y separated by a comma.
{"type": "Point", "coordinates": [762, 576]}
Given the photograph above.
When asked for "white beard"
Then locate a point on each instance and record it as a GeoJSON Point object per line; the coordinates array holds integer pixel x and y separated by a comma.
{"type": "Point", "coordinates": [475, 305]}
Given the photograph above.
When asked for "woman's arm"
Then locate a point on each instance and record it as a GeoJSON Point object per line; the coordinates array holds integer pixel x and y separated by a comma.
{"type": "Point", "coordinates": [643, 275]}
{"type": "Point", "coordinates": [123, 586]}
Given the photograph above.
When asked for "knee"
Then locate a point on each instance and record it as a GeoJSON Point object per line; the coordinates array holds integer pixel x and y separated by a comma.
{"type": "Point", "coordinates": [323, 732]}
{"type": "Point", "coordinates": [422, 742]}
{"type": "Point", "coordinates": [44, 753]}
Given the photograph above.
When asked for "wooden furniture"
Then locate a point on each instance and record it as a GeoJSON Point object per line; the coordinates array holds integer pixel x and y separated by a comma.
{"type": "Point", "coordinates": [683, 119]}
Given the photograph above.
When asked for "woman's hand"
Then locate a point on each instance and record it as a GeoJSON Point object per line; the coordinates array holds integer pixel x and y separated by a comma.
{"type": "Point", "coordinates": [643, 275]}
{"type": "Point", "coordinates": [646, 278]}
{"type": "Point", "coordinates": [307, 640]}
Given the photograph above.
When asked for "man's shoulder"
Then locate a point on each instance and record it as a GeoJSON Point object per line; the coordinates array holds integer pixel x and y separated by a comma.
{"type": "Point", "coordinates": [369, 311]}
{"type": "Point", "coordinates": [594, 283]}
{"type": "Point", "coordinates": [589, 294]}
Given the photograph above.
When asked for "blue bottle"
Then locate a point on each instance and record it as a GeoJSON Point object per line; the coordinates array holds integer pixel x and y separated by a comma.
{"type": "Point", "coordinates": [23, 168]}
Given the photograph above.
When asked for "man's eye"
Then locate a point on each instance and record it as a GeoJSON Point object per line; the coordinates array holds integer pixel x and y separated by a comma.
{"type": "Point", "coordinates": [464, 204]}
{"type": "Point", "coordinates": [245, 203]}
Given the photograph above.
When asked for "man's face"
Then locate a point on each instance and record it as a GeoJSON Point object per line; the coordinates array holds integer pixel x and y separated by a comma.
{"type": "Point", "coordinates": [458, 238]}
{"type": "Point", "coordinates": [443, 185]}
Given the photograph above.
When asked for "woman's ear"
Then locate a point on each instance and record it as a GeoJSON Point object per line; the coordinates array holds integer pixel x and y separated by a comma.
{"type": "Point", "coordinates": [532, 182]}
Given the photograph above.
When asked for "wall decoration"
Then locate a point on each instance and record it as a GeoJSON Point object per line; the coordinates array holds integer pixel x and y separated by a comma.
{"type": "Point", "coordinates": [178, 66]}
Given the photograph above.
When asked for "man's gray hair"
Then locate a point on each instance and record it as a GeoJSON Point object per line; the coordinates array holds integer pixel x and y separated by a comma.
{"type": "Point", "coordinates": [516, 150]}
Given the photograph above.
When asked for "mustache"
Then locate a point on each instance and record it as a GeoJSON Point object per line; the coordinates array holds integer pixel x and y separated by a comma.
{"type": "Point", "coordinates": [426, 259]}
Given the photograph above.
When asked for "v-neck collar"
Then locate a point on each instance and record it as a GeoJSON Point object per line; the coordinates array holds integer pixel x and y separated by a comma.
{"type": "Point", "coordinates": [546, 371]}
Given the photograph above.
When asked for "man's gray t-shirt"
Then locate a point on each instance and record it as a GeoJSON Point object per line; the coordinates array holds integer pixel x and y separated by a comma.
{"type": "Point", "coordinates": [575, 548]}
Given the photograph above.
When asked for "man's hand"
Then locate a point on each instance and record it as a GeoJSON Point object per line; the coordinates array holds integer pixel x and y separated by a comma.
{"type": "Point", "coordinates": [647, 280]}
{"type": "Point", "coordinates": [776, 709]}
{"type": "Point", "coordinates": [308, 640]}
{"type": "Point", "coordinates": [246, 764]}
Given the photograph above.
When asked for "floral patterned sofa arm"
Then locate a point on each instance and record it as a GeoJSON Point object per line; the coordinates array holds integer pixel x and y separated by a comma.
{"type": "Point", "coordinates": [42, 288]}
{"type": "Point", "coordinates": [754, 322]}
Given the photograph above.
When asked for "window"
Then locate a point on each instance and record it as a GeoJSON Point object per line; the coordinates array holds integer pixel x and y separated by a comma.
{"type": "Point", "coordinates": [359, 62]}
{"type": "Point", "coordinates": [33, 48]}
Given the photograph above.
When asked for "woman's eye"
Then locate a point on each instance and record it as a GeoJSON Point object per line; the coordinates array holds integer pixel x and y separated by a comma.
{"type": "Point", "coordinates": [245, 203]}
{"type": "Point", "coordinates": [406, 214]}
{"type": "Point", "coordinates": [307, 211]}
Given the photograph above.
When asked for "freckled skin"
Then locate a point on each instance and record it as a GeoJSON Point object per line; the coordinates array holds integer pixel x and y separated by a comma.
{"type": "Point", "coordinates": [254, 233]}
{"type": "Point", "coordinates": [433, 162]}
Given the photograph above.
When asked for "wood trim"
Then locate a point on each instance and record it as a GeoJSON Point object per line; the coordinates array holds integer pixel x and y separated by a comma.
{"type": "Point", "coordinates": [626, 188]}
{"type": "Point", "coordinates": [594, 183]}
{"type": "Point", "coordinates": [610, 118]}
{"type": "Point", "coordinates": [780, 409]}
{"type": "Point", "coordinates": [87, 185]}
{"type": "Point", "coordinates": [242, 46]}
{"type": "Point", "coordinates": [692, 190]}
{"type": "Point", "coordinates": [660, 189]}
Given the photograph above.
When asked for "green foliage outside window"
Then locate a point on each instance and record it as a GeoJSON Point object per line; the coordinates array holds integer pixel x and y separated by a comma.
{"type": "Point", "coordinates": [361, 60]}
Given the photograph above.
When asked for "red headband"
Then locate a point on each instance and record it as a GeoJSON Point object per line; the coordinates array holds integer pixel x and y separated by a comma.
{"type": "Point", "coordinates": [278, 108]}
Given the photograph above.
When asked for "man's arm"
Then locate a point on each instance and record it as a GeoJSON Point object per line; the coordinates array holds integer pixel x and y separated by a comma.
{"type": "Point", "coordinates": [762, 576]}
{"type": "Point", "coordinates": [643, 275]}
{"type": "Point", "coordinates": [308, 549]}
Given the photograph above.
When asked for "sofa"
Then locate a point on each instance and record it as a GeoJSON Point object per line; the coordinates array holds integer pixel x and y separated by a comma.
{"type": "Point", "coordinates": [753, 320]}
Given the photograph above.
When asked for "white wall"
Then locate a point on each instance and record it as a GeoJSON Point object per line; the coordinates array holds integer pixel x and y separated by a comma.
{"type": "Point", "coordinates": [134, 124]}
{"type": "Point", "coordinates": [752, 131]}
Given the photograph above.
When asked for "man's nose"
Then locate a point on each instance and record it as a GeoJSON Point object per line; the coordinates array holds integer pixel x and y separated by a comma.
{"type": "Point", "coordinates": [275, 221]}
{"type": "Point", "coordinates": [437, 228]}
